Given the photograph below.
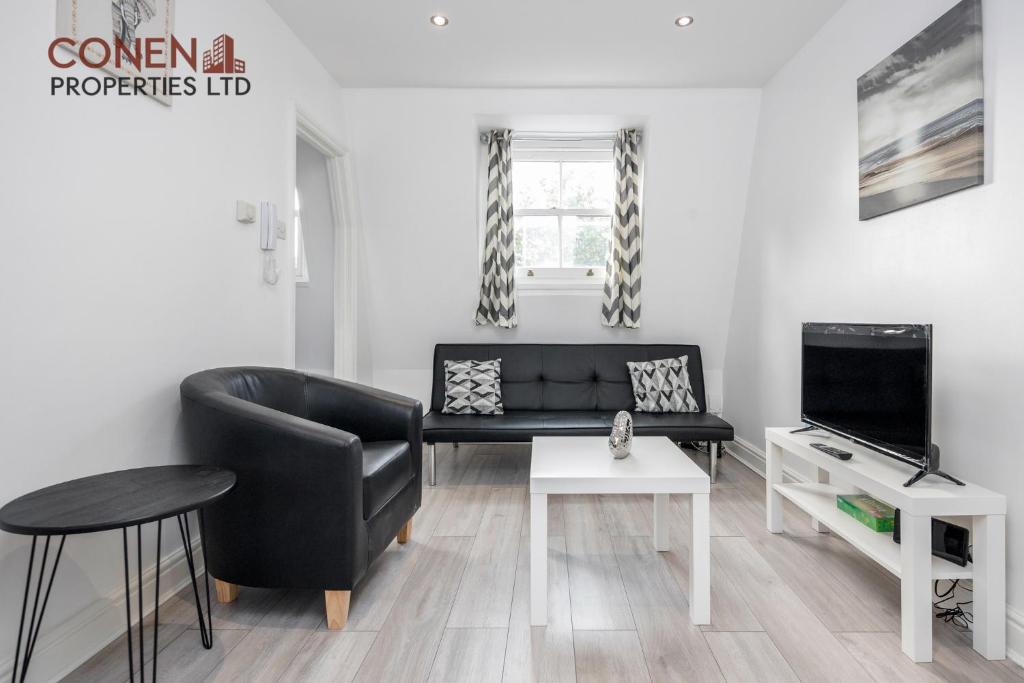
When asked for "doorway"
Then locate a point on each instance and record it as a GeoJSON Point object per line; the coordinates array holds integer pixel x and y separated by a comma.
{"type": "Point", "coordinates": [313, 254]}
{"type": "Point", "coordinates": [324, 251]}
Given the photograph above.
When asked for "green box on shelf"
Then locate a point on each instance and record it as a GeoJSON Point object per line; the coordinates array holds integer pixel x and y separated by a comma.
{"type": "Point", "coordinates": [872, 513]}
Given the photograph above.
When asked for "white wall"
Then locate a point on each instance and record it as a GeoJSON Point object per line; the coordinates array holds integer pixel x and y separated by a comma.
{"type": "Point", "coordinates": [314, 300]}
{"type": "Point", "coordinates": [954, 262]}
{"type": "Point", "coordinates": [417, 154]}
{"type": "Point", "coordinates": [125, 271]}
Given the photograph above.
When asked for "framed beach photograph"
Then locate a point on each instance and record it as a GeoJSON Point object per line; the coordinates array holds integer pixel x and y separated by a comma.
{"type": "Point", "coordinates": [123, 20]}
{"type": "Point", "coordinates": [921, 115]}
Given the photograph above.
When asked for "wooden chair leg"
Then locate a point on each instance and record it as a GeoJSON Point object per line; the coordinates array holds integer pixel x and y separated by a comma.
{"type": "Point", "coordinates": [405, 532]}
{"type": "Point", "coordinates": [226, 592]}
{"type": "Point", "coordinates": [336, 603]}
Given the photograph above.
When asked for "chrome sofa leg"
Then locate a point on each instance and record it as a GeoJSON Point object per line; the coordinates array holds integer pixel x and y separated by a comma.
{"type": "Point", "coordinates": [455, 445]}
{"type": "Point", "coordinates": [432, 464]}
{"type": "Point", "coordinates": [715, 448]}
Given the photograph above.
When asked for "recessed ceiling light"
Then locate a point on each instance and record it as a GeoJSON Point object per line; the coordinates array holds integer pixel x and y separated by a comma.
{"type": "Point", "coordinates": [439, 20]}
{"type": "Point", "coordinates": [684, 21]}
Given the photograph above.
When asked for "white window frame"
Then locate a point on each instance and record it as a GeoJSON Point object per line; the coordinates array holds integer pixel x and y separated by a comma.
{"type": "Point", "coordinates": [562, 279]}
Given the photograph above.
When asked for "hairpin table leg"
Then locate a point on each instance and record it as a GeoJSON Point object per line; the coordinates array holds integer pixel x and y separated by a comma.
{"type": "Point", "coordinates": [205, 624]}
{"type": "Point", "coordinates": [31, 635]}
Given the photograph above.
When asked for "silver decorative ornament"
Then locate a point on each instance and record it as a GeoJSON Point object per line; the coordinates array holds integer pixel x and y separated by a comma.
{"type": "Point", "coordinates": [621, 439]}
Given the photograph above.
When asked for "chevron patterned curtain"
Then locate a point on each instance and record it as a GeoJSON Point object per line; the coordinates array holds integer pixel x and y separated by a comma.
{"type": "Point", "coordinates": [621, 307]}
{"type": "Point", "coordinates": [498, 282]}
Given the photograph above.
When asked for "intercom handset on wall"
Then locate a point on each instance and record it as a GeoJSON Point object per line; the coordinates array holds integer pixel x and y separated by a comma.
{"type": "Point", "coordinates": [268, 242]}
{"type": "Point", "coordinates": [268, 226]}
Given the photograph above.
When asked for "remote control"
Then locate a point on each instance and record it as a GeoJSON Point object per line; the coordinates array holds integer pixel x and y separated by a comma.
{"type": "Point", "coordinates": [834, 452]}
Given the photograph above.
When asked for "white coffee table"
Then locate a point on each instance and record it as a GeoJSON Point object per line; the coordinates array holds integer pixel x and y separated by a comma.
{"type": "Point", "coordinates": [582, 464]}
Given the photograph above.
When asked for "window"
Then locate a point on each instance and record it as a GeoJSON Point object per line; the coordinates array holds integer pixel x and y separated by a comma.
{"type": "Point", "coordinates": [301, 266]}
{"type": "Point", "coordinates": [563, 199]}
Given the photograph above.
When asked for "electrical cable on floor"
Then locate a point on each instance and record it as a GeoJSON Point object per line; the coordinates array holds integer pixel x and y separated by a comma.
{"type": "Point", "coordinates": [699, 446]}
{"type": "Point", "coordinates": [954, 612]}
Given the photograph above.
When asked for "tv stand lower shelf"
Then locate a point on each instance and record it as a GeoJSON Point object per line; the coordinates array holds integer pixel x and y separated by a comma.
{"type": "Point", "coordinates": [911, 561]}
{"type": "Point", "coordinates": [819, 501]}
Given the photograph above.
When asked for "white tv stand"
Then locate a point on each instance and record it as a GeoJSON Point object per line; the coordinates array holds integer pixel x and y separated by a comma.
{"type": "Point", "coordinates": [911, 561]}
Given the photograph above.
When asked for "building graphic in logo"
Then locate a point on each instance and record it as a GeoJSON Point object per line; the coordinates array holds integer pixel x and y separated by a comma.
{"type": "Point", "coordinates": [221, 59]}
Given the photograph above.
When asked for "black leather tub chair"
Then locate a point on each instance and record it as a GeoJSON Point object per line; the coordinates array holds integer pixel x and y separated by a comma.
{"type": "Point", "coordinates": [328, 474]}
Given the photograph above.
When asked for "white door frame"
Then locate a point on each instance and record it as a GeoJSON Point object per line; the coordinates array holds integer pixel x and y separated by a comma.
{"type": "Point", "coordinates": [343, 211]}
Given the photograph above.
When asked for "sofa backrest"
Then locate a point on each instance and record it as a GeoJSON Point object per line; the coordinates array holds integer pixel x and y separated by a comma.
{"type": "Point", "coordinates": [566, 376]}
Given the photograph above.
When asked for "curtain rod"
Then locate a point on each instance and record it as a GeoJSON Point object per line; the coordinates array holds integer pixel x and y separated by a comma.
{"type": "Point", "coordinates": [560, 137]}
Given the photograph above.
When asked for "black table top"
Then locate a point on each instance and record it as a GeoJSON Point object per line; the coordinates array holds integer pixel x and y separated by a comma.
{"type": "Point", "coordinates": [115, 500]}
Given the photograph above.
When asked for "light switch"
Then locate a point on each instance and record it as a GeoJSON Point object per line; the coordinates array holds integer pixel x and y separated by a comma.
{"type": "Point", "coordinates": [245, 212]}
{"type": "Point", "coordinates": [282, 229]}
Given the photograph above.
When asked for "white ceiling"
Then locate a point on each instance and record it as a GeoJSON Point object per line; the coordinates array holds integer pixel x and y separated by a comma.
{"type": "Point", "coordinates": [554, 43]}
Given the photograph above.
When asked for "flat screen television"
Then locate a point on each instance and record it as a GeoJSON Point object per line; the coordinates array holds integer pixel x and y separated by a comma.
{"type": "Point", "coordinates": [872, 384]}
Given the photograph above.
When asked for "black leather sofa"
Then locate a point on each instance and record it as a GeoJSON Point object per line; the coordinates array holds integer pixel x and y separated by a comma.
{"type": "Point", "coordinates": [329, 472]}
{"type": "Point", "coordinates": [567, 389]}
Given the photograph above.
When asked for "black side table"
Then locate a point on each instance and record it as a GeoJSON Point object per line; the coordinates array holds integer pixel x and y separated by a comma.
{"type": "Point", "coordinates": [116, 500]}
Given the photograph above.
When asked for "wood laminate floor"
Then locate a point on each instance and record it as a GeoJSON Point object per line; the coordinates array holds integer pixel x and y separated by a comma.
{"type": "Point", "coordinates": [453, 604]}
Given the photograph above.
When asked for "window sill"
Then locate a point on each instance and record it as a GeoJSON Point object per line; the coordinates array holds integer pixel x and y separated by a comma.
{"type": "Point", "coordinates": [534, 286]}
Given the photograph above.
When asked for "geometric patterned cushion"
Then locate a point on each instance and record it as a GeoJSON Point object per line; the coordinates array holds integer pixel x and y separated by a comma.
{"type": "Point", "coordinates": [662, 386]}
{"type": "Point", "coordinates": [472, 387]}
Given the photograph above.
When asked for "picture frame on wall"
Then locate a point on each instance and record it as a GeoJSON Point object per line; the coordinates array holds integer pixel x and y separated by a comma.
{"type": "Point", "coordinates": [123, 20]}
{"type": "Point", "coordinates": [921, 115]}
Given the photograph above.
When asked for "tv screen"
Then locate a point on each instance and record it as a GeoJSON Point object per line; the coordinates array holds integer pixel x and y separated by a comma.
{"type": "Point", "coordinates": [870, 383]}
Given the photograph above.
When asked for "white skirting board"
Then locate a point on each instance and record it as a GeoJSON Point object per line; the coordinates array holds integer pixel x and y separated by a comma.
{"type": "Point", "coordinates": [1014, 636]}
{"type": "Point", "coordinates": [754, 458]}
{"type": "Point", "coordinates": [65, 646]}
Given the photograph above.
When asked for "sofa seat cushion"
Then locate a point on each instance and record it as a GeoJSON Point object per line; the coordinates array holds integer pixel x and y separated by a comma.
{"type": "Point", "coordinates": [523, 425]}
{"type": "Point", "coordinates": [387, 469]}
{"type": "Point", "coordinates": [582, 421]}
{"type": "Point", "coordinates": [683, 426]}
{"type": "Point", "coordinates": [514, 425]}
